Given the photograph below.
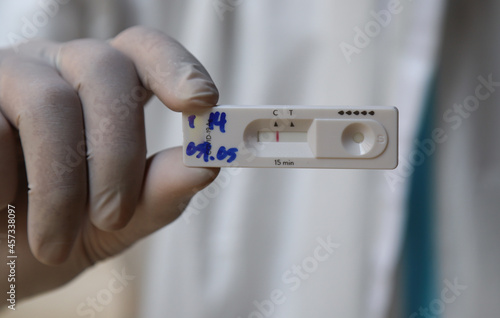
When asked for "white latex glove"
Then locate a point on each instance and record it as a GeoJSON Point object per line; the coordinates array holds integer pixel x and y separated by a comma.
{"type": "Point", "coordinates": [84, 190]}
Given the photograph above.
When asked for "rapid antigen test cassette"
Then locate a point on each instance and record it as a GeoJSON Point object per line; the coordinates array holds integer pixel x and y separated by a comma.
{"type": "Point", "coordinates": [292, 137]}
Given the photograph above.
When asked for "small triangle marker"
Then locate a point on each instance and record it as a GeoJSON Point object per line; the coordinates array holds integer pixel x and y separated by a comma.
{"type": "Point", "coordinates": [275, 124]}
{"type": "Point", "coordinates": [292, 125]}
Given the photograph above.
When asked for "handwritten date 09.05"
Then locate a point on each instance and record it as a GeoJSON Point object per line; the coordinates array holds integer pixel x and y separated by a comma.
{"type": "Point", "coordinates": [204, 150]}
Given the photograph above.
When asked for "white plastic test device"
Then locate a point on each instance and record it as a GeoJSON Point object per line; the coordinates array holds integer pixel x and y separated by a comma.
{"type": "Point", "coordinates": [292, 137]}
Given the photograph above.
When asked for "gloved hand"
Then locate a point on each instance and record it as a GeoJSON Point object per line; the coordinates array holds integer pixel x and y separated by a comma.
{"type": "Point", "coordinates": [73, 150]}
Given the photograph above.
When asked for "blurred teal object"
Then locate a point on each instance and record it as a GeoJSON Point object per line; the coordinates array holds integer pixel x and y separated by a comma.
{"type": "Point", "coordinates": [419, 263]}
